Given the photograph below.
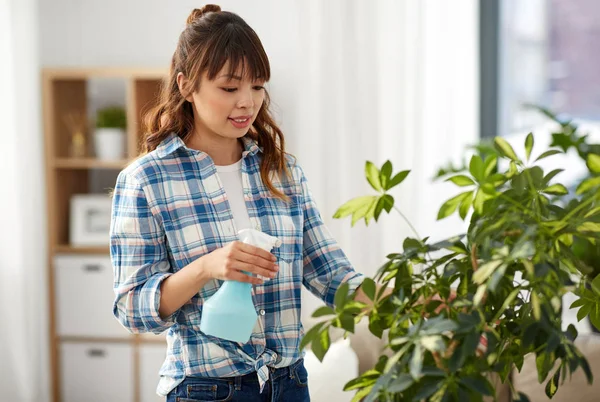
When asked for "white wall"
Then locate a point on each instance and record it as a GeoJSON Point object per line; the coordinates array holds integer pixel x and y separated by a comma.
{"type": "Point", "coordinates": [144, 33]}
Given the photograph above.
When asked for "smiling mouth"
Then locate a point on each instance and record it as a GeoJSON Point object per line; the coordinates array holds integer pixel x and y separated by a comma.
{"type": "Point", "coordinates": [240, 120]}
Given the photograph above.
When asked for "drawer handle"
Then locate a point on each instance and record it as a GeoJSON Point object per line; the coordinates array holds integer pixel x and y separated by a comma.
{"type": "Point", "coordinates": [96, 353]}
{"type": "Point", "coordinates": [92, 268]}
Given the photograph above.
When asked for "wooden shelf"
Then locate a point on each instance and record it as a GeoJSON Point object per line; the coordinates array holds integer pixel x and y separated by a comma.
{"type": "Point", "coordinates": [72, 91]}
{"type": "Point", "coordinates": [104, 72]}
{"type": "Point", "coordinates": [88, 163]}
{"type": "Point", "coordinates": [90, 339]}
{"type": "Point", "coordinates": [68, 249]}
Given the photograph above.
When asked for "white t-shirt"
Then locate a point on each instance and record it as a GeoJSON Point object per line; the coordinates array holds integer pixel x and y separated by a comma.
{"type": "Point", "coordinates": [231, 178]}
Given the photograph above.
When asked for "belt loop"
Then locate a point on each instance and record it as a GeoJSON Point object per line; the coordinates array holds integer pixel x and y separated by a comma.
{"type": "Point", "coordinates": [238, 383]}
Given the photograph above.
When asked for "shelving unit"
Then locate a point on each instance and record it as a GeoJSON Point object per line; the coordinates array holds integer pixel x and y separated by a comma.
{"type": "Point", "coordinates": [92, 357]}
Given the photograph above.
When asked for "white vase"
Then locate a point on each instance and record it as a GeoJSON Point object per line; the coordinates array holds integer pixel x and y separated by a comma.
{"type": "Point", "coordinates": [109, 143]}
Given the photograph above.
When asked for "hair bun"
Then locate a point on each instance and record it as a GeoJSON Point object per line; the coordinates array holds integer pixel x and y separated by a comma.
{"type": "Point", "coordinates": [197, 13]}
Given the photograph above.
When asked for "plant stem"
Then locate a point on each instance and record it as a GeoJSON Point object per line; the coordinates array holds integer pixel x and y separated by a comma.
{"type": "Point", "coordinates": [578, 208]}
{"type": "Point", "coordinates": [408, 223]}
{"type": "Point", "coordinates": [533, 192]}
{"type": "Point", "coordinates": [519, 206]}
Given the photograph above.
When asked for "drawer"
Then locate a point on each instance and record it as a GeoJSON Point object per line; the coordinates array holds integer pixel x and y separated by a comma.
{"type": "Point", "coordinates": [96, 372]}
{"type": "Point", "coordinates": [84, 297]}
{"type": "Point", "coordinates": [151, 359]}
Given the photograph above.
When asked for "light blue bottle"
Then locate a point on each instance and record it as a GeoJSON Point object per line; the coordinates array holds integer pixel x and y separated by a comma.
{"type": "Point", "coordinates": [230, 313]}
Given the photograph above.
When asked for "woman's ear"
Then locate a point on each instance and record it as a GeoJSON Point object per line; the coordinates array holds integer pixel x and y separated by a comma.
{"type": "Point", "coordinates": [182, 83]}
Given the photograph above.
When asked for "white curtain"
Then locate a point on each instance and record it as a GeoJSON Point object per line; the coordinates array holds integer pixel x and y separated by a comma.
{"type": "Point", "coordinates": [383, 80]}
{"type": "Point", "coordinates": [23, 280]}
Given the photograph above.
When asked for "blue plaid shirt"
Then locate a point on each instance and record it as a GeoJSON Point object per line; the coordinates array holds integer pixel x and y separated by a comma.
{"type": "Point", "coordinates": [169, 209]}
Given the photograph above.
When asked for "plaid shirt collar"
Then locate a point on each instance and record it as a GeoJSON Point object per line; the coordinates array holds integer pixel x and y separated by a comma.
{"type": "Point", "coordinates": [174, 142]}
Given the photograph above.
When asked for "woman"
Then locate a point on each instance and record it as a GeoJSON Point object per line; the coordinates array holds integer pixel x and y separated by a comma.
{"type": "Point", "coordinates": [214, 164]}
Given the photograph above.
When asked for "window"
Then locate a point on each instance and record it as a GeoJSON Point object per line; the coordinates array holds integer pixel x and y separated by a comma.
{"type": "Point", "coordinates": [547, 53]}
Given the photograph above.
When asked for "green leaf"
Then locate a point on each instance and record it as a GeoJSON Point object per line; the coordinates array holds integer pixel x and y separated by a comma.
{"type": "Point", "coordinates": [550, 176]}
{"type": "Point", "coordinates": [595, 316]}
{"type": "Point", "coordinates": [372, 174]}
{"type": "Point", "coordinates": [521, 397]}
{"type": "Point", "coordinates": [360, 395]}
{"type": "Point", "coordinates": [485, 271]}
{"type": "Point", "coordinates": [354, 205]}
{"type": "Point", "coordinates": [589, 227]}
{"type": "Point", "coordinates": [586, 368]}
{"type": "Point", "coordinates": [416, 362]}
{"type": "Point", "coordinates": [384, 175]}
{"type": "Point", "coordinates": [310, 334]}
{"type": "Point", "coordinates": [578, 303]}
{"type": "Point", "coordinates": [341, 296]}
{"type": "Point", "coordinates": [535, 302]}
{"type": "Point", "coordinates": [505, 149]}
{"type": "Point", "coordinates": [375, 325]}
{"type": "Point", "coordinates": [512, 169]}
{"type": "Point", "coordinates": [320, 345]}
{"type": "Point", "coordinates": [476, 167]}
{"type": "Point", "coordinates": [367, 378]}
{"type": "Point", "coordinates": [368, 287]}
{"type": "Point", "coordinates": [544, 362]}
{"type": "Point", "coordinates": [385, 202]}
{"type": "Point", "coordinates": [511, 297]}
{"type": "Point", "coordinates": [461, 180]}
{"type": "Point", "coordinates": [480, 198]}
{"type": "Point", "coordinates": [488, 189]}
{"type": "Point", "coordinates": [479, 295]}
{"type": "Point", "coordinates": [477, 384]}
{"type": "Point", "coordinates": [489, 164]}
{"type": "Point", "coordinates": [398, 178]}
{"type": "Point", "coordinates": [450, 206]}
{"type": "Point", "coordinates": [528, 145]}
{"type": "Point", "coordinates": [346, 321]}
{"type": "Point", "coordinates": [323, 311]}
{"type": "Point", "coordinates": [556, 189]}
{"type": "Point", "coordinates": [593, 163]}
{"type": "Point", "coordinates": [596, 285]}
{"type": "Point", "coordinates": [548, 153]}
{"type": "Point", "coordinates": [593, 212]}
{"type": "Point", "coordinates": [552, 385]}
{"type": "Point", "coordinates": [368, 213]}
{"type": "Point", "coordinates": [465, 205]}
{"type": "Point", "coordinates": [563, 141]}
{"type": "Point", "coordinates": [401, 383]}
{"type": "Point", "coordinates": [433, 343]}
{"type": "Point", "coordinates": [584, 311]}
{"type": "Point", "coordinates": [588, 184]}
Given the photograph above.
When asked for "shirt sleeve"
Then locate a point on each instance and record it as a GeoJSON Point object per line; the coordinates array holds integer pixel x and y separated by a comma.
{"type": "Point", "coordinates": [139, 259]}
{"type": "Point", "coordinates": [326, 266]}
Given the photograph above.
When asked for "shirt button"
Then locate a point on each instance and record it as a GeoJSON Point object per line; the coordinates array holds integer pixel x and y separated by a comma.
{"type": "Point", "coordinates": [257, 226]}
{"type": "Point", "coordinates": [274, 355]}
{"type": "Point", "coordinates": [262, 312]}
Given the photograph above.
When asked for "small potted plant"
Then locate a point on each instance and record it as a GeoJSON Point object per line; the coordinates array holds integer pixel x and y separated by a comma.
{"type": "Point", "coordinates": [109, 139]}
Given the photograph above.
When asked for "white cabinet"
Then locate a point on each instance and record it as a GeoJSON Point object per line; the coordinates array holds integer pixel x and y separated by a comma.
{"type": "Point", "coordinates": [84, 297]}
{"type": "Point", "coordinates": [96, 372]}
{"type": "Point", "coordinates": [151, 359]}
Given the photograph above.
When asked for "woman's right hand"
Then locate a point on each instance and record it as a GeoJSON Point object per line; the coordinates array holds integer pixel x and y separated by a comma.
{"type": "Point", "coordinates": [227, 263]}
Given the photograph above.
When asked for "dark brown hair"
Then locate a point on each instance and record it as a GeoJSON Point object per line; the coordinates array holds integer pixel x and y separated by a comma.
{"type": "Point", "coordinates": [211, 39]}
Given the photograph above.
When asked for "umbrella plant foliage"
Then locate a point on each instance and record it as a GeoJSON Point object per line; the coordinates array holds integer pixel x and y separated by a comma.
{"type": "Point", "coordinates": [476, 304]}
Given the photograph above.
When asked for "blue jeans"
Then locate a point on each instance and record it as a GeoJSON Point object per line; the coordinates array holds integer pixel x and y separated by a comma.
{"type": "Point", "coordinates": [288, 384]}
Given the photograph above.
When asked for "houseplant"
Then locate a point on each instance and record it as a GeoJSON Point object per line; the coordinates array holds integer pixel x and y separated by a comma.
{"type": "Point", "coordinates": [109, 138]}
{"type": "Point", "coordinates": [512, 267]}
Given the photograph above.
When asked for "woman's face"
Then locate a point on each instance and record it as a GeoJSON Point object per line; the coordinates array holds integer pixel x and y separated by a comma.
{"type": "Point", "coordinates": [226, 106]}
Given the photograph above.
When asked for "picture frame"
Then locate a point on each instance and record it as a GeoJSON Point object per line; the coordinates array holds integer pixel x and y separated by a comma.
{"type": "Point", "coordinates": [89, 223]}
